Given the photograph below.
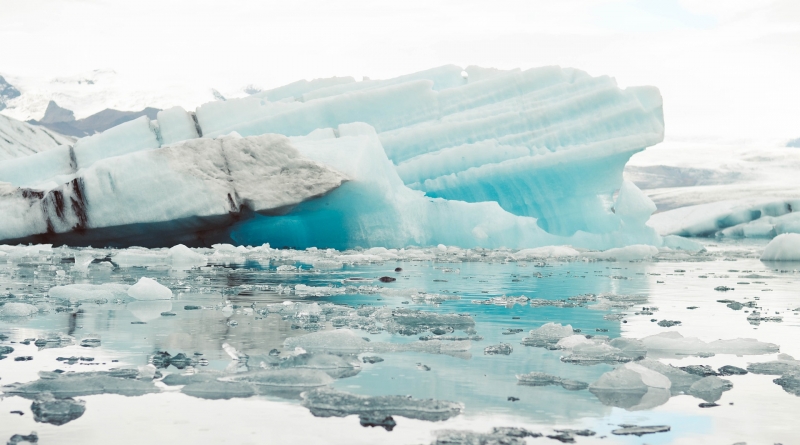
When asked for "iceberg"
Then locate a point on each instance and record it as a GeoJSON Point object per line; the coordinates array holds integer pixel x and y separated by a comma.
{"type": "Point", "coordinates": [470, 158]}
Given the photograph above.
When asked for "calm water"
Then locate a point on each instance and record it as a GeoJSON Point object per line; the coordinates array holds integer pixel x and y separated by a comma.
{"type": "Point", "coordinates": [234, 289]}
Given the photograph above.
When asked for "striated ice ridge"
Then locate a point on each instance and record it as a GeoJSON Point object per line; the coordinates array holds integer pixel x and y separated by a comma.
{"type": "Point", "coordinates": [505, 152]}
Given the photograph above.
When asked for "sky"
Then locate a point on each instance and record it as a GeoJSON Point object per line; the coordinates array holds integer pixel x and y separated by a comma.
{"type": "Point", "coordinates": [727, 69]}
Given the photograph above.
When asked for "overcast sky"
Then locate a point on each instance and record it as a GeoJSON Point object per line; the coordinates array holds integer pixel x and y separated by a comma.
{"type": "Point", "coordinates": [726, 68]}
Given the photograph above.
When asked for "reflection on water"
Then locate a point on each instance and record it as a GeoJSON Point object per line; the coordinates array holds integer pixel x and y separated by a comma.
{"type": "Point", "coordinates": [230, 320]}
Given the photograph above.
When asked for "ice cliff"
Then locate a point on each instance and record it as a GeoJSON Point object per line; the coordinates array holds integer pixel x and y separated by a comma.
{"type": "Point", "coordinates": [473, 157]}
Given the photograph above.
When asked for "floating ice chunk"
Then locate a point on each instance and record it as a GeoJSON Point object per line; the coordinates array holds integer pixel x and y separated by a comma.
{"type": "Point", "coordinates": [709, 388]}
{"type": "Point", "coordinates": [330, 403]}
{"type": "Point", "coordinates": [283, 378]}
{"type": "Point", "coordinates": [218, 390]}
{"type": "Point", "coordinates": [673, 343]}
{"type": "Point", "coordinates": [599, 351]}
{"type": "Point", "coordinates": [776, 367]}
{"type": "Point", "coordinates": [133, 257]}
{"type": "Point", "coordinates": [502, 348]}
{"type": "Point", "coordinates": [149, 289]}
{"type": "Point", "coordinates": [57, 411]}
{"type": "Point", "coordinates": [626, 388]}
{"type": "Point", "coordinates": [181, 255]}
{"type": "Point", "coordinates": [501, 435]}
{"type": "Point", "coordinates": [547, 335]}
{"type": "Point", "coordinates": [542, 379]}
{"type": "Point", "coordinates": [650, 378]}
{"type": "Point", "coordinates": [17, 310]}
{"type": "Point", "coordinates": [122, 382]}
{"type": "Point", "coordinates": [632, 430]}
{"type": "Point", "coordinates": [83, 292]}
{"type": "Point", "coordinates": [333, 365]}
{"type": "Point", "coordinates": [784, 247]}
{"type": "Point", "coordinates": [231, 351]}
{"type": "Point", "coordinates": [680, 381]}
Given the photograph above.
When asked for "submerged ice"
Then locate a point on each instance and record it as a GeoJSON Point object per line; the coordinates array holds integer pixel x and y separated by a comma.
{"type": "Point", "coordinates": [496, 158]}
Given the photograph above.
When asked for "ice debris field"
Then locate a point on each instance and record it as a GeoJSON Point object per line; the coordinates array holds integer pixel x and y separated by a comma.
{"type": "Point", "coordinates": [435, 345]}
{"type": "Point", "coordinates": [448, 257]}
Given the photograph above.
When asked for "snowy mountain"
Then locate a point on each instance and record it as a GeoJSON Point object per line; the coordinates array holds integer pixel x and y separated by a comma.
{"type": "Point", "coordinates": [87, 94]}
{"type": "Point", "coordinates": [63, 121]}
{"type": "Point", "coordinates": [22, 139]}
{"type": "Point", "coordinates": [7, 93]}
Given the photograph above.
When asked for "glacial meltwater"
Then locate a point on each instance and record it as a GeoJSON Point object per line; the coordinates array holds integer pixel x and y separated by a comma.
{"type": "Point", "coordinates": [416, 346]}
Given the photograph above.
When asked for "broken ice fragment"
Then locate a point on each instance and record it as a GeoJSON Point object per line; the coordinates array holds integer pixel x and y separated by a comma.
{"type": "Point", "coordinates": [709, 388]}
{"type": "Point", "coordinates": [640, 430]}
{"type": "Point", "coordinates": [149, 289]}
{"type": "Point", "coordinates": [502, 348]}
{"type": "Point", "coordinates": [386, 422]}
{"type": "Point", "coordinates": [91, 342]}
{"type": "Point", "coordinates": [72, 384]}
{"type": "Point", "coordinates": [17, 310]}
{"type": "Point", "coordinates": [542, 379]}
{"type": "Point", "coordinates": [731, 370]}
{"type": "Point", "coordinates": [326, 402]}
{"type": "Point", "coordinates": [57, 411]}
{"type": "Point", "coordinates": [371, 359]}
{"type": "Point", "coordinates": [498, 436]}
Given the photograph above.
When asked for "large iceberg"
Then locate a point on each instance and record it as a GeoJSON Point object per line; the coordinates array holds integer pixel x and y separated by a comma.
{"type": "Point", "coordinates": [473, 157]}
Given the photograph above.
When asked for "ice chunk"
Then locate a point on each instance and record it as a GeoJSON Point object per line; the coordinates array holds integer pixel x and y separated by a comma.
{"type": "Point", "coordinates": [498, 435]}
{"type": "Point", "coordinates": [709, 388]}
{"type": "Point", "coordinates": [83, 292]}
{"type": "Point", "coordinates": [784, 247]}
{"type": "Point", "coordinates": [181, 255]}
{"type": "Point", "coordinates": [70, 384]}
{"type": "Point", "coordinates": [330, 403]}
{"type": "Point", "coordinates": [626, 387]}
{"type": "Point", "coordinates": [333, 365]}
{"type": "Point", "coordinates": [298, 379]}
{"type": "Point", "coordinates": [216, 390]}
{"type": "Point", "coordinates": [542, 379]}
{"type": "Point", "coordinates": [18, 139]}
{"type": "Point", "coordinates": [201, 184]}
{"type": "Point", "coordinates": [502, 348]}
{"type": "Point", "coordinates": [57, 411]}
{"type": "Point", "coordinates": [149, 289]}
{"type": "Point", "coordinates": [633, 430]}
{"type": "Point", "coordinates": [547, 335]}
{"type": "Point", "coordinates": [14, 309]}
{"type": "Point", "coordinates": [673, 343]}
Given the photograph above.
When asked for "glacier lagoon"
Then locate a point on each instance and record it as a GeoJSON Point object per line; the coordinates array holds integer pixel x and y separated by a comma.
{"type": "Point", "coordinates": [237, 345]}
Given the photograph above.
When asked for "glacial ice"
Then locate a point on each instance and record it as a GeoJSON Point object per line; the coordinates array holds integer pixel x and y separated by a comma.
{"type": "Point", "coordinates": [496, 158]}
{"type": "Point", "coordinates": [18, 309]}
{"type": "Point", "coordinates": [784, 247]}
{"type": "Point", "coordinates": [19, 139]}
{"type": "Point", "coordinates": [746, 218]}
{"type": "Point", "coordinates": [667, 344]}
{"type": "Point", "coordinates": [69, 384]}
{"type": "Point", "coordinates": [48, 409]}
{"type": "Point", "coordinates": [177, 191]}
{"type": "Point", "coordinates": [325, 402]}
{"type": "Point", "coordinates": [149, 289]}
